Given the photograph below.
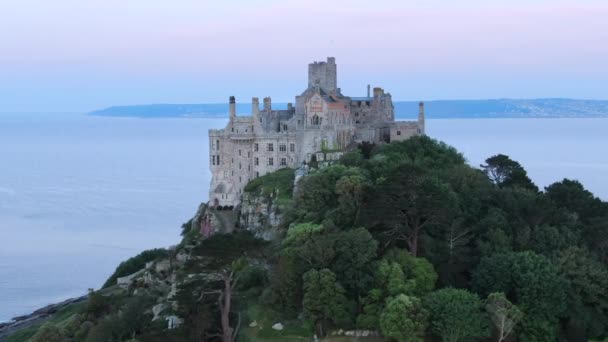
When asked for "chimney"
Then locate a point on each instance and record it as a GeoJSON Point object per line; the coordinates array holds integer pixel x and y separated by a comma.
{"type": "Point", "coordinates": [368, 90]}
{"type": "Point", "coordinates": [232, 107]}
{"type": "Point", "coordinates": [267, 104]}
{"type": "Point", "coordinates": [255, 106]}
{"type": "Point", "coordinates": [421, 116]}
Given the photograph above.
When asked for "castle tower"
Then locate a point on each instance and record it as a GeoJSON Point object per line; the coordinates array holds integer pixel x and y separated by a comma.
{"type": "Point", "coordinates": [324, 74]}
{"type": "Point", "coordinates": [232, 107]}
{"type": "Point", "coordinates": [421, 116]}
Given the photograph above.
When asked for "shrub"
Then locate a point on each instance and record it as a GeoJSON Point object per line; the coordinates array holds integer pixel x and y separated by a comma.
{"type": "Point", "coordinates": [135, 264]}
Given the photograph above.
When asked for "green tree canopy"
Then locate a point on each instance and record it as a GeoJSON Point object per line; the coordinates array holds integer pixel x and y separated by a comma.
{"type": "Point", "coordinates": [404, 319]}
{"type": "Point", "coordinates": [505, 172]}
{"type": "Point", "coordinates": [324, 302]}
{"type": "Point", "coordinates": [456, 315]}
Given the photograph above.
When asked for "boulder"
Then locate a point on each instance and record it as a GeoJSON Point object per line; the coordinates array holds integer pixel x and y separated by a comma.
{"type": "Point", "coordinates": [277, 326]}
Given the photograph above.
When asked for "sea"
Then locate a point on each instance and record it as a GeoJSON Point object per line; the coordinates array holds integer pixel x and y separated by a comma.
{"type": "Point", "coordinates": [81, 193]}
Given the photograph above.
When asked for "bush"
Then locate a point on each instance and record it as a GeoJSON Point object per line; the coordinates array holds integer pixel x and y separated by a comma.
{"type": "Point", "coordinates": [48, 333]}
{"type": "Point", "coordinates": [135, 264]}
{"type": "Point", "coordinates": [280, 181]}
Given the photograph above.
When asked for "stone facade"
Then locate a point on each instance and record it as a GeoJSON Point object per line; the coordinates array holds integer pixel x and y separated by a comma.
{"type": "Point", "coordinates": [322, 120]}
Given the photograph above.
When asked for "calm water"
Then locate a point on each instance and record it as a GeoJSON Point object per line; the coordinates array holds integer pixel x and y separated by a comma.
{"type": "Point", "coordinates": [80, 194]}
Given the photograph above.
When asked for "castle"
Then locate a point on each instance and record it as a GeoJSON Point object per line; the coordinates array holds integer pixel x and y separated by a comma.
{"type": "Point", "coordinates": [323, 123]}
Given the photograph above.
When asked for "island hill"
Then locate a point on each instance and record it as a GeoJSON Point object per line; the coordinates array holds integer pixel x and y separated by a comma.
{"type": "Point", "coordinates": [401, 240]}
{"type": "Point", "coordinates": [389, 239]}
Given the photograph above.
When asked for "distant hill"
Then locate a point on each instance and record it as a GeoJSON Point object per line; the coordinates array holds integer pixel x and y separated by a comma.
{"type": "Point", "coordinates": [442, 109]}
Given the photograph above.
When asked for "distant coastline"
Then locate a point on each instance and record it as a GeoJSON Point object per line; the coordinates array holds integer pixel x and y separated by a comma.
{"type": "Point", "coordinates": [439, 109]}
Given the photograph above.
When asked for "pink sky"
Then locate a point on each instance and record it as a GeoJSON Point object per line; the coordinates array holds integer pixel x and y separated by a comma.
{"type": "Point", "coordinates": [80, 55]}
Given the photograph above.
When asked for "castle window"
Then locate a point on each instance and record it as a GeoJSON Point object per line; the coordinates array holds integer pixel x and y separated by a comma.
{"type": "Point", "coordinates": [239, 152]}
{"type": "Point", "coordinates": [283, 161]}
{"type": "Point", "coordinates": [213, 159]}
{"type": "Point", "coordinates": [249, 167]}
{"type": "Point", "coordinates": [270, 147]}
{"type": "Point", "coordinates": [218, 159]}
{"type": "Point", "coordinates": [256, 161]}
{"type": "Point", "coordinates": [233, 172]}
{"type": "Point", "coordinates": [282, 147]}
{"type": "Point", "coordinates": [270, 161]}
{"type": "Point", "coordinates": [240, 179]}
{"type": "Point", "coordinates": [398, 132]}
{"type": "Point", "coordinates": [248, 154]}
{"type": "Point", "coordinates": [292, 147]}
{"type": "Point", "coordinates": [217, 144]}
{"type": "Point", "coordinates": [240, 166]}
{"type": "Point", "coordinates": [225, 173]}
{"type": "Point", "coordinates": [232, 129]}
{"type": "Point", "coordinates": [256, 147]}
{"type": "Point", "coordinates": [257, 174]}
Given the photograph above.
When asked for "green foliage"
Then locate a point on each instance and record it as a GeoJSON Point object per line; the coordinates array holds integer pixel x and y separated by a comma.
{"type": "Point", "coordinates": [408, 204]}
{"type": "Point", "coordinates": [135, 264]}
{"type": "Point", "coordinates": [279, 183]}
{"type": "Point", "coordinates": [48, 333]}
{"type": "Point", "coordinates": [324, 302]}
{"type": "Point", "coordinates": [397, 273]}
{"type": "Point", "coordinates": [404, 319]}
{"type": "Point", "coordinates": [317, 197]}
{"type": "Point", "coordinates": [532, 282]}
{"type": "Point", "coordinates": [504, 314]}
{"type": "Point", "coordinates": [456, 315]}
{"type": "Point", "coordinates": [587, 296]}
{"type": "Point", "coordinates": [505, 172]}
{"type": "Point", "coordinates": [354, 252]}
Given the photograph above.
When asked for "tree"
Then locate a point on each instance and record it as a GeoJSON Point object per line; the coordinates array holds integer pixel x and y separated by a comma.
{"type": "Point", "coordinates": [505, 172]}
{"type": "Point", "coordinates": [48, 333]}
{"type": "Point", "coordinates": [224, 256]}
{"type": "Point", "coordinates": [456, 315]}
{"type": "Point", "coordinates": [586, 212]}
{"type": "Point", "coordinates": [407, 203]}
{"type": "Point", "coordinates": [532, 282]}
{"type": "Point", "coordinates": [354, 252]}
{"type": "Point", "coordinates": [324, 301]}
{"type": "Point", "coordinates": [397, 273]}
{"type": "Point", "coordinates": [404, 319]}
{"type": "Point", "coordinates": [504, 314]}
{"type": "Point", "coordinates": [587, 296]}
{"type": "Point", "coordinates": [350, 191]}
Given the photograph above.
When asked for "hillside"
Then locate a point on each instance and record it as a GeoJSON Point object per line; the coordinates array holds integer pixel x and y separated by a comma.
{"type": "Point", "coordinates": [442, 109]}
{"type": "Point", "coordinates": [403, 241]}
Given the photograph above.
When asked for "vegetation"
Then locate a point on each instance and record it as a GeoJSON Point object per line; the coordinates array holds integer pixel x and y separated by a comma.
{"type": "Point", "coordinates": [405, 239]}
{"type": "Point", "coordinates": [279, 183]}
{"type": "Point", "coordinates": [135, 264]}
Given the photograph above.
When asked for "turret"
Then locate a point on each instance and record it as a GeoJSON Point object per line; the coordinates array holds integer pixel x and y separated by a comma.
{"type": "Point", "coordinates": [421, 116]}
{"type": "Point", "coordinates": [267, 104]}
{"type": "Point", "coordinates": [232, 107]}
{"type": "Point", "coordinates": [368, 90]}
